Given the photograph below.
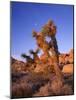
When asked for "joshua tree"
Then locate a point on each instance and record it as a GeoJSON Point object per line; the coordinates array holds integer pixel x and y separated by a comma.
{"type": "Point", "coordinates": [28, 58]}
{"type": "Point", "coordinates": [49, 48]}
{"type": "Point", "coordinates": [35, 55]}
{"type": "Point", "coordinates": [50, 30]}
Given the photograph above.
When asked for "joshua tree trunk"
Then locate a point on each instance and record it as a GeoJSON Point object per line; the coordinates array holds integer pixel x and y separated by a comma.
{"type": "Point", "coordinates": [55, 56]}
{"type": "Point", "coordinates": [55, 46]}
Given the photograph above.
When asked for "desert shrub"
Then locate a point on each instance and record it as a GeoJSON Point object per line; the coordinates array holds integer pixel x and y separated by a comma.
{"type": "Point", "coordinates": [66, 90]}
{"type": "Point", "coordinates": [56, 86]}
{"type": "Point", "coordinates": [21, 90]}
{"type": "Point", "coordinates": [43, 91]}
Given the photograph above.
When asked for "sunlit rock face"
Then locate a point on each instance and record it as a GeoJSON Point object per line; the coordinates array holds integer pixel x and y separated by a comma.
{"type": "Point", "coordinates": [67, 57]}
{"type": "Point", "coordinates": [71, 56]}
{"type": "Point", "coordinates": [62, 58]}
{"type": "Point", "coordinates": [67, 60]}
{"type": "Point", "coordinates": [68, 68]}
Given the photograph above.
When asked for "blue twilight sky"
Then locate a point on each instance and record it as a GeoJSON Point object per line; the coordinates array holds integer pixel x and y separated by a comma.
{"type": "Point", "coordinates": [28, 16]}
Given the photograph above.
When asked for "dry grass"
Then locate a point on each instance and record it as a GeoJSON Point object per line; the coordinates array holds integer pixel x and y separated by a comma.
{"type": "Point", "coordinates": [21, 90]}
{"type": "Point", "coordinates": [40, 84]}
